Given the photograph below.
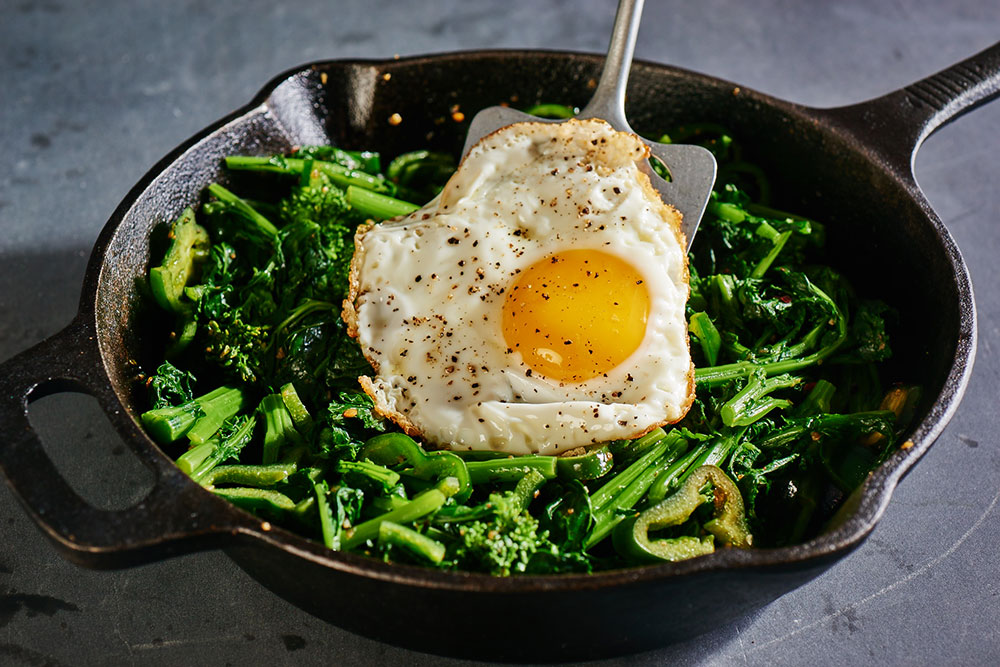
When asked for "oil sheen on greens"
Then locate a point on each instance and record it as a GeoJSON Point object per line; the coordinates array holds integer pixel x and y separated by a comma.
{"type": "Point", "coordinates": [257, 393]}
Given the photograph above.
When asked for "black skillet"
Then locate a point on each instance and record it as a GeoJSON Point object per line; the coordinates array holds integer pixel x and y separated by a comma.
{"type": "Point", "coordinates": [850, 167]}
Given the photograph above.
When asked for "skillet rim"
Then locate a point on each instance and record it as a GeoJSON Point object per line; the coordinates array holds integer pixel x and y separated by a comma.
{"type": "Point", "coordinates": [871, 498]}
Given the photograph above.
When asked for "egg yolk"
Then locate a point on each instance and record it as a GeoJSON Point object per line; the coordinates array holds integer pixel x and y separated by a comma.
{"type": "Point", "coordinates": [576, 314]}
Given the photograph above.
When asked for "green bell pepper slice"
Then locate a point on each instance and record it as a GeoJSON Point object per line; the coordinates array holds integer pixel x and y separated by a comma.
{"type": "Point", "coordinates": [390, 449]}
{"type": "Point", "coordinates": [415, 543]}
{"type": "Point", "coordinates": [595, 463]}
{"type": "Point", "coordinates": [728, 524]}
{"type": "Point", "coordinates": [189, 243]}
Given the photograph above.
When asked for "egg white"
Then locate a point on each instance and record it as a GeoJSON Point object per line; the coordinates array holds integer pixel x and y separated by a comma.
{"type": "Point", "coordinates": [427, 293]}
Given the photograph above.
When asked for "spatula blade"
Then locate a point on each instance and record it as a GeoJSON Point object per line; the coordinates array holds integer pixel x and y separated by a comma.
{"type": "Point", "coordinates": [692, 168]}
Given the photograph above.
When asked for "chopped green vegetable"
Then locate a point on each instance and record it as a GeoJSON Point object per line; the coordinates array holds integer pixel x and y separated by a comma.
{"type": "Point", "coordinates": [707, 484]}
{"type": "Point", "coordinates": [790, 400]}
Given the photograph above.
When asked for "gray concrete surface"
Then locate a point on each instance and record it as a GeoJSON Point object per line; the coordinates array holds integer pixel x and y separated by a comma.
{"type": "Point", "coordinates": [92, 94]}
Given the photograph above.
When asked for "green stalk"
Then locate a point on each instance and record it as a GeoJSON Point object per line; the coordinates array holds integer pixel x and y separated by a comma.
{"type": "Point", "coordinates": [280, 429]}
{"type": "Point", "coordinates": [604, 495]}
{"type": "Point", "coordinates": [764, 264]}
{"type": "Point", "coordinates": [421, 505]}
{"type": "Point", "coordinates": [194, 457]}
{"type": "Point", "coordinates": [339, 174]}
{"type": "Point", "coordinates": [377, 205]}
{"type": "Point", "coordinates": [248, 211]}
{"type": "Point", "coordinates": [818, 400]}
{"type": "Point", "coordinates": [747, 405]}
{"type": "Point", "coordinates": [322, 490]}
{"type": "Point", "coordinates": [230, 447]}
{"type": "Point", "coordinates": [380, 476]}
{"type": "Point", "coordinates": [610, 514]}
{"type": "Point", "coordinates": [667, 480]}
{"type": "Point", "coordinates": [425, 548]}
{"type": "Point", "coordinates": [296, 408]}
{"type": "Point", "coordinates": [708, 336]}
{"type": "Point", "coordinates": [510, 470]}
{"type": "Point", "coordinates": [218, 406]}
{"type": "Point", "coordinates": [626, 451]}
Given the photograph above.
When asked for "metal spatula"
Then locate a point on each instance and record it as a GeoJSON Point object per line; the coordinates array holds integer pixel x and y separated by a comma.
{"type": "Point", "coordinates": [692, 168]}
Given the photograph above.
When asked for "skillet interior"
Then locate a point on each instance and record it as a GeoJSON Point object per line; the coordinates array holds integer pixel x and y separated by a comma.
{"type": "Point", "coordinates": [878, 232]}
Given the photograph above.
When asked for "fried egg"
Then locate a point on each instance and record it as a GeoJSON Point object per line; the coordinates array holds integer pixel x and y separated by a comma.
{"type": "Point", "coordinates": [536, 305]}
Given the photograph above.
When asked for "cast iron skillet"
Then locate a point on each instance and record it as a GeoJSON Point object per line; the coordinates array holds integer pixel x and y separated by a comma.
{"type": "Point", "coordinates": [850, 167]}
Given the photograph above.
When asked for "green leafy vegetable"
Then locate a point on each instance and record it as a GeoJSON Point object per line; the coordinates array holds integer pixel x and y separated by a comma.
{"type": "Point", "coordinates": [790, 414]}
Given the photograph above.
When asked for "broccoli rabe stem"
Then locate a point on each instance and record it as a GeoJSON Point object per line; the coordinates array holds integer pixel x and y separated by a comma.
{"type": "Point", "coordinates": [425, 548]}
{"type": "Point", "coordinates": [194, 457]}
{"type": "Point", "coordinates": [510, 469]}
{"type": "Point", "coordinates": [855, 424]}
{"type": "Point", "coordinates": [524, 491]}
{"type": "Point", "coordinates": [752, 402]}
{"type": "Point", "coordinates": [779, 241]}
{"type": "Point", "coordinates": [668, 479]}
{"type": "Point", "coordinates": [604, 495]}
{"type": "Point", "coordinates": [280, 429]}
{"type": "Point", "coordinates": [326, 523]}
{"type": "Point", "coordinates": [264, 225]}
{"type": "Point", "coordinates": [297, 409]}
{"type": "Point", "coordinates": [818, 399]}
{"type": "Point", "coordinates": [377, 205]}
{"type": "Point", "coordinates": [197, 462]}
{"type": "Point", "coordinates": [206, 412]}
{"type": "Point", "coordinates": [379, 476]}
{"type": "Point", "coordinates": [713, 454]}
{"type": "Point", "coordinates": [421, 505]}
{"type": "Point", "coordinates": [217, 410]}
{"type": "Point", "coordinates": [342, 176]}
{"type": "Point", "coordinates": [626, 488]}
{"type": "Point", "coordinates": [708, 336]}
{"type": "Point", "coordinates": [716, 375]}
{"type": "Point", "coordinates": [626, 451]}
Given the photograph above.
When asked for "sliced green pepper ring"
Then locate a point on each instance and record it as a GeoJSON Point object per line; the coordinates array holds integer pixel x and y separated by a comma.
{"type": "Point", "coordinates": [189, 244]}
{"type": "Point", "coordinates": [728, 523]}
{"type": "Point", "coordinates": [391, 449]}
{"type": "Point", "coordinates": [595, 463]}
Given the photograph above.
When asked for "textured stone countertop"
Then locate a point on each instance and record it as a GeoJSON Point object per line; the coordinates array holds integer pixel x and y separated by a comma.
{"type": "Point", "coordinates": [93, 94]}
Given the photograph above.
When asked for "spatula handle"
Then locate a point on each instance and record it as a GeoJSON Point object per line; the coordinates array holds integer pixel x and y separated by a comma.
{"type": "Point", "coordinates": [608, 101]}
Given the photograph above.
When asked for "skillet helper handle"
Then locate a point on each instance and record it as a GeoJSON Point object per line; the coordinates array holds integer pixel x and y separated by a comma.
{"type": "Point", "coordinates": [901, 120]}
{"type": "Point", "coordinates": [175, 516]}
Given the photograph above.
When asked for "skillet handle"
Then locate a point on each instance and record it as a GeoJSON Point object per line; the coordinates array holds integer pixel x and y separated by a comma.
{"type": "Point", "coordinates": [176, 516]}
{"type": "Point", "coordinates": [900, 121]}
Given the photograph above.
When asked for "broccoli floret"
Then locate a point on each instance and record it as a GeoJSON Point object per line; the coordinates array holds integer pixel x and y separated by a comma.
{"type": "Point", "coordinates": [317, 260]}
{"type": "Point", "coordinates": [232, 343]}
{"type": "Point", "coordinates": [318, 201]}
{"type": "Point", "coordinates": [504, 544]}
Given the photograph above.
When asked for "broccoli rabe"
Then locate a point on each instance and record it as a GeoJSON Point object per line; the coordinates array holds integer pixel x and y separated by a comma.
{"type": "Point", "coordinates": [790, 415]}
